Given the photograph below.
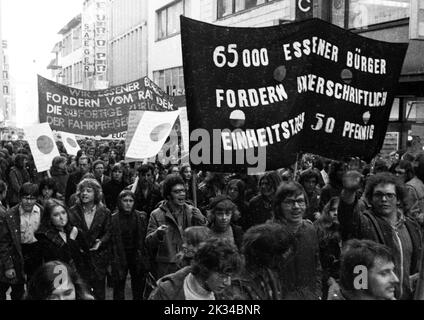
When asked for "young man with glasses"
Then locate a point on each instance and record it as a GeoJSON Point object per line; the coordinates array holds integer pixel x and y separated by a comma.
{"type": "Point", "coordinates": [20, 255]}
{"type": "Point", "coordinates": [166, 225]}
{"type": "Point", "coordinates": [301, 276]}
{"type": "Point", "coordinates": [384, 222]}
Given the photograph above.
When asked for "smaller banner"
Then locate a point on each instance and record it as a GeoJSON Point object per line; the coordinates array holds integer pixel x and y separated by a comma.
{"type": "Point", "coordinates": [152, 132]}
{"type": "Point", "coordinates": [70, 143]}
{"type": "Point", "coordinates": [42, 144]}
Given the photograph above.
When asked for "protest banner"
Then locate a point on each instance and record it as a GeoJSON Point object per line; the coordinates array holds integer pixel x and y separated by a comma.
{"type": "Point", "coordinates": [70, 143]}
{"type": "Point", "coordinates": [303, 87]}
{"type": "Point", "coordinates": [152, 131]}
{"type": "Point", "coordinates": [43, 147]}
{"type": "Point", "coordinates": [98, 113]}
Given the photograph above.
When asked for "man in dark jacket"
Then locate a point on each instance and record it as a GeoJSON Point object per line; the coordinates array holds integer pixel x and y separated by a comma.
{"type": "Point", "coordinates": [94, 219]}
{"type": "Point", "coordinates": [129, 253]}
{"type": "Point", "coordinates": [383, 222]}
{"type": "Point", "coordinates": [19, 250]}
{"type": "Point", "coordinates": [301, 276]}
{"type": "Point", "coordinates": [75, 178]}
{"type": "Point", "coordinates": [166, 224]}
{"type": "Point", "coordinates": [147, 192]}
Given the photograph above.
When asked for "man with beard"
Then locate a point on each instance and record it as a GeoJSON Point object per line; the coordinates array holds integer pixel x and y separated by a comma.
{"type": "Point", "coordinates": [166, 225]}
{"type": "Point", "coordinates": [384, 222]}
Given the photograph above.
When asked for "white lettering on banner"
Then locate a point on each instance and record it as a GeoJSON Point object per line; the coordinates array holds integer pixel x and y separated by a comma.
{"type": "Point", "coordinates": [357, 131]}
{"type": "Point", "coordinates": [250, 97]}
{"type": "Point", "coordinates": [314, 45]}
{"type": "Point", "coordinates": [314, 83]}
{"type": "Point", "coordinates": [365, 64]}
{"type": "Point", "coordinates": [262, 137]}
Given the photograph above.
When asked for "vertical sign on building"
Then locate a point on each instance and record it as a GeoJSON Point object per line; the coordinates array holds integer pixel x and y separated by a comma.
{"type": "Point", "coordinates": [88, 42]}
{"type": "Point", "coordinates": [101, 22]}
{"type": "Point", "coordinates": [416, 21]}
{"type": "Point", "coordinates": [304, 9]}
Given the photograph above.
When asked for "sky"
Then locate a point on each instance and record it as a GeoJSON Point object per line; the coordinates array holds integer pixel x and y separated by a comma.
{"type": "Point", "coordinates": [31, 27]}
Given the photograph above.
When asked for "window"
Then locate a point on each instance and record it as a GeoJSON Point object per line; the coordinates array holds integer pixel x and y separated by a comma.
{"type": "Point", "coordinates": [67, 45]}
{"type": "Point", "coordinates": [170, 80]}
{"type": "Point", "coordinates": [77, 38]}
{"type": "Point", "coordinates": [353, 14]}
{"type": "Point", "coordinates": [168, 19]}
{"type": "Point", "coordinates": [5, 90]}
{"type": "Point", "coordinates": [5, 75]}
{"type": "Point", "coordinates": [228, 7]}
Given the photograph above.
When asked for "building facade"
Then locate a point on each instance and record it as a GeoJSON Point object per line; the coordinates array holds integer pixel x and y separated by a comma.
{"type": "Point", "coordinates": [392, 21]}
{"type": "Point", "coordinates": [9, 109]}
{"type": "Point", "coordinates": [128, 49]}
{"type": "Point", "coordinates": [67, 65]}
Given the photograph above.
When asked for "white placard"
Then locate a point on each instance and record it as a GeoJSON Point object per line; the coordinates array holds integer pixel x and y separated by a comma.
{"type": "Point", "coordinates": [42, 144]}
{"type": "Point", "coordinates": [70, 143]}
{"type": "Point", "coordinates": [152, 132]}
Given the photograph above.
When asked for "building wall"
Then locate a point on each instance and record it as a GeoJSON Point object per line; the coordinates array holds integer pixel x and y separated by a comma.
{"type": "Point", "coordinates": [1, 73]}
{"type": "Point", "coordinates": [128, 41]}
{"type": "Point", "coordinates": [166, 54]}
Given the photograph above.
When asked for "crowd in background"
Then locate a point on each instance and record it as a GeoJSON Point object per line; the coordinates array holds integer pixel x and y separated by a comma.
{"type": "Point", "coordinates": [295, 233]}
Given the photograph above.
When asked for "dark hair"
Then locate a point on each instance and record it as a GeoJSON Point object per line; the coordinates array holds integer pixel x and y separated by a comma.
{"type": "Point", "coordinates": [169, 182]}
{"type": "Point", "coordinates": [212, 206]}
{"type": "Point", "coordinates": [117, 167]}
{"type": "Point", "coordinates": [42, 283]}
{"type": "Point", "coordinates": [58, 160]}
{"type": "Point", "coordinates": [96, 163]}
{"type": "Point", "coordinates": [28, 189]}
{"type": "Point", "coordinates": [310, 173]}
{"type": "Point", "coordinates": [273, 178]}
{"type": "Point", "coordinates": [46, 222]}
{"type": "Point", "coordinates": [360, 253]}
{"type": "Point", "coordinates": [122, 195]}
{"type": "Point", "coordinates": [50, 183]}
{"type": "Point", "coordinates": [241, 186]}
{"type": "Point", "coordinates": [216, 255]}
{"type": "Point", "coordinates": [144, 168]}
{"type": "Point", "coordinates": [332, 172]}
{"type": "Point", "coordinates": [267, 246]}
{"type": "Point", "coordinates": [385, 178]}
{"type": "Point", "coordinates": [407, 166]}
{"type": "Point", "coordinates": [19, 160]}
{"type": "Point", "coordinates": [3, 186]}
{"type": "Point", "coordinates": [193, 236]}
{"type": "Point", "coordinates": [287, 189]}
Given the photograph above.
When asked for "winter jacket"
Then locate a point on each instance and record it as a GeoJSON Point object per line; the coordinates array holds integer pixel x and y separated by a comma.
{"type": "Point", "coordinates": [17, 177]}
{"type": "Point", "coordinates": [149, 203]}
{"type": "Point", "coordinates": [61, 177]}
{"type": "Point", "coordinates": [301, 275]}
{"type": "Point", "coordinates": [163, 251]}
{"type": "Point", "coordinates": [100, 229]}
{"type": "Point", "coordinates": [71, 184]}
{"type": "Point", "coordinates": [111, 191]}
{"type": "Point", "coordinates": [260, 211]}
{"type": "Point", "coordinates": [364, 224]}
{"type": "Point", "coordinates": [73, 252]}
{"type": "Point", "coordinates": [10, 244]}
{"type": "Point", "coordinates": [171, 286]}
{"type": "Point", "coordinates": [119, 260]}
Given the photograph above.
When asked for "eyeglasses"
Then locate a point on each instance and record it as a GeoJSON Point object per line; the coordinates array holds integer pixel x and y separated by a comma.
{"type": "Point", "coordinates": [292, 202]}
{"type": "Point", "coordinates": [29, 198]}
{"type": "Point", "coordinates": [177, 191]}
{"type": "Point", "coordinates": [380, 195]}
{"type": "Point", "coordinates": [399, 172]}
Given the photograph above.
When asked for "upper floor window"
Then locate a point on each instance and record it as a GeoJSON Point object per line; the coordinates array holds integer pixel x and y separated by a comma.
{"type": "Point", "coordinates": [354, 14]}
{"type": "Point", "coordinates": [168, 19]}
{"type": "Point", "coordinates": [5, 90]}
{"type": "Point", "coordinates": [228, 7]}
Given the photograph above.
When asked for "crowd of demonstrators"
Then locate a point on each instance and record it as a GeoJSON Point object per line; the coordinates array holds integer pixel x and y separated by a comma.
{"type": "Point", "coordinates": [296, 233]}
